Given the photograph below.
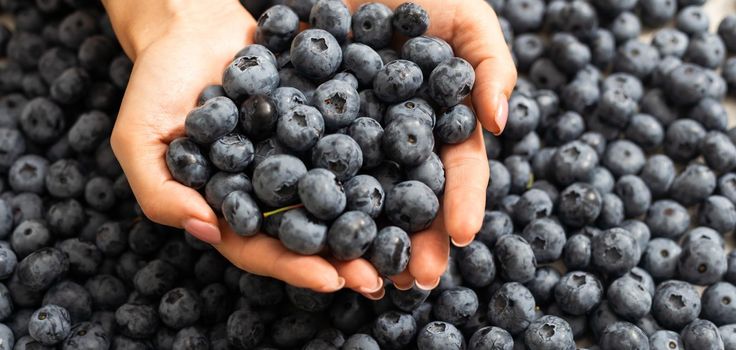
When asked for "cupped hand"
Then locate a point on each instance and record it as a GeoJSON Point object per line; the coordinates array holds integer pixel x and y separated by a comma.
{"type": "Point", "coordinates": [472, 29]}
{"type": "Point", "coordinates": [176, 55]}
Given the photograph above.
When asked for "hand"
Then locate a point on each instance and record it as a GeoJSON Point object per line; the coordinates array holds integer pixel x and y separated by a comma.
{"type": "Point", "coordinates": [472, 29]}
{"type": "Point", "coordinates": [177, 52]}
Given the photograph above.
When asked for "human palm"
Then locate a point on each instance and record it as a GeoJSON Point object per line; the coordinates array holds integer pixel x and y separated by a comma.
{"type": "Point", "coordinates": [191, 52]}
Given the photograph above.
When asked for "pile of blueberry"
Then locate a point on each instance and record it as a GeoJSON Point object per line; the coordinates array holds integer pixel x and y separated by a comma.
{"type": "Point", "coordinates": [609, 209]}
{"type": "Point", "coordinates": [326, 147]}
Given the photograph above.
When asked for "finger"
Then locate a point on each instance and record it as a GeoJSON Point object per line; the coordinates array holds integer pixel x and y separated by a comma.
{"type": "Point", "coordinates": [403, 281]}
{"type": "Point", "coordinates": [141, 149]}
{"type": "Point", "coordinates": [266, 256]}
{"type": "Point", "coordinates": [466, 171]}
{"type": "Point", "coordinates": [477, 37]}
{"type": "Point", "coordinates": [430, 251]}
{"type": "Point", "coordinates": [361, 277]}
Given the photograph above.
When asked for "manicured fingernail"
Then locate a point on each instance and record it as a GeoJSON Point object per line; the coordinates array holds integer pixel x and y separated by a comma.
{"type": "Point", "coordinates": [502, 113]}
{"type": "Point", "coordinates": [371, 290]}
{"type": "Point", "coordinates": [462, 244]}
{"type": "Point", "coordinates": [403, 287]}
{"type": "Point", "coordinates": [202, 230]}
{"type": "Point", "coordinates": [429, 286]}
{"type": "Point", "coordinates": [377, 295]}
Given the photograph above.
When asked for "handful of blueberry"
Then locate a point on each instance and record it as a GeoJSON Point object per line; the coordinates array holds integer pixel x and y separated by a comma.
{"type": "Point", "coordinates": [330, 148]}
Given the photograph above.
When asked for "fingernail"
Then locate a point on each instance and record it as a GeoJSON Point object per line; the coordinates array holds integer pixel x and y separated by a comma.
{"type": "Point", "coordinates": [502, 113]}
{"type": "Point", "coordinates": [377, 295]}
{"type": "Point", "coordinates": [404, 287]}
{"type": "Point", "coordinates": [430, 286]}
{"type": "Point", "coordinates": [462, 244]}
{"type": "Point", "coordinates": [340, 283]}
{"type": "Point", "coordinates": [202, 230]}
{"type": "Point", "coordinates": [377, 287]}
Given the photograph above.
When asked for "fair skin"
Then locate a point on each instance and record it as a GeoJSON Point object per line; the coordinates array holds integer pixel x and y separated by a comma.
{"type": "Point", "coordinates": [181, 46]}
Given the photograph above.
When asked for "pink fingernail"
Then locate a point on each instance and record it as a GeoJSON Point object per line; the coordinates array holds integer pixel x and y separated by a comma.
{"type": "Point", "coordinates": [430, 286]}
{"type": "Point", "coordinates": [462, 244]}
{"type": "Point", "coordinates": [502, 113]}
{"type": "Point", "coordinates": [406, 287]}
{"type": "Point", "coordinates": [376, 296]}
{"type": "Point", "coordinates": [377, 287]}
{"type": "Point", "coordinates": [202, 230]}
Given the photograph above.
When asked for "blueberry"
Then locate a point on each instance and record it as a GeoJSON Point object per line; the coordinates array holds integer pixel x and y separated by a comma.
{"type": "Point", "coordinates": [711, 114]}
{"type": "Point", "coordinates": [40, 269]}
{"type": "Point", "coordinates": [242, 213]}
{"type": "Point", "coordinates": [411, 205]}
{"type": "Point", "coordinates": [301, 233]}
{"type": "Point", "coordinates": [706, 50]}
{"type": "Point", "coordinates": [27, 174]}
{"type": "Point", "coordinates": [693, 185]}
{"type": "Point", "coordinates": [397, 81]}
{"type": "Point", "coordinates": [427, 52]}
{"type": "Point", "coordinates": [339, 154]}
{"type": "Point", "coordinates": [580, 204]}
{"type": "Point", "coordinates": [574, 161]}
{"type": "Point", "coordinates": [675, 304]}
{"type": "Point", "coordinates": [451, 81]}
{"type": "Point", "coordinates": [623, 335]}
{"type": "Point", "coordinates": [41, 120]}
{"type": "Point", "coordinates": [686, 84]}
{"type": "Point", "coordinates": [728, 335]}
{"type": "Point", "coordinates": [456, 124]}
{"type": "Point", "coordinates": [549, 332]}
{"type": "Point", "coordinates": [371, 25]}
{"type": "Point", "coordinates": [511, 308]}
{"type": "Point", "coordinates": [275, 179]}
{"type": "Point", "coordinates": [549, 189]}
{"type": "Point", "coordinates": [390, 251]}
{"type": "Point", "coordinates": [515, 258]}
{"type": "Point", "coordinates": [179, 308]}
{"type": "Point", "coordinates": [701, 334]}
{"type": "Point", "coordinates": [322, 194]}
{"type": "Point", "coordinates": [455, 306]}
{"type": "Point", "coordinates": [543, 285]}
{"type": "Point", "coordinates": [577, 252]}
{"type": "Point", "coordinates": [258, 117]}
{"type": "Point", "coordinates": [520, 172]}
{"type": "Point", "coordinates": [495, 225]}
{"type": "Point", "coordinates": [300, 128]}
{"type": "Point", "coordinates": [408, 141]}
{"type": "Point", "coordinates": [338, 102]}
{"type": "Point", "coordinates": [717, 303]}
{"type": "Point", "coordinates": [221, 184]}
{"type": "Point", "coordinates": [414, 108]}
{"type": "Point", "coordinates": [410, 19]}
{"type": "Point", "coordinates": [533, 204]}
{"type": "Point", "coordinates": [50, 324]}
{"type": "Point", "coordinates": [277, 26]}
{"type": "Point", "coordinates": [527, 48]}
{"type": "Point", "coordinates": [371, 106]}
{"type": "Point", "coordinates": [351, 235]}
{"type": "Point", "coordinates": [248, 76]}
{"type": "Point", "coordinates": [8, 261]}
{"type": "Point", "coordinates": [718, 212]}
{"type": "Point", "coordinates": [492, 338]}
{"type": "Point", "coordinates": [476, 264]}
{"type": "Point", "coordinates": [232, 153]}
{"type": "Point", "coordinates": [332, 16]}
{"type": "Point", "coordinates": [657, 12]}
{"type": "Point", "coordinates": [625, 26]}
{"type": "Point", "coordinates": [245, 329]}
{"type": "Point", "coordinates": [249, 50]}
{"type": "Point", "coordinates": [670, 42]}
{"type": "Point", "coordinates": [702, 262]}
{"type": "Point", "coordinates": [364, 193]}
{"type": "Point", "coordinates": [360, 341]}
{"type": "Point", "coordinates": [569, 54]}
{"type": "Point", "coordinates": [546, 75]}
{"type": "Point", "coordinates": [362, 61]}
{"type": "Point", "coordinates": [546, 237]}
{"type": "Point", "coordinates": [185, 161]}
{"type": "Point", "coordinates": [664, 339]}
{"type": "Point", "coordinates": [285, 98]}
{"type": "Point", "coordinates": [615, 251]}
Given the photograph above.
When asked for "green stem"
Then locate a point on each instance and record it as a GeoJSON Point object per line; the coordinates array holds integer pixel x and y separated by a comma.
{"type": "Point", "coordinates": [281, 210]}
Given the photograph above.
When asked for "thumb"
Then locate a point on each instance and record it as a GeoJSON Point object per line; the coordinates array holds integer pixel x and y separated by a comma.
{"type": "Point", "coordinates": [162, 199]}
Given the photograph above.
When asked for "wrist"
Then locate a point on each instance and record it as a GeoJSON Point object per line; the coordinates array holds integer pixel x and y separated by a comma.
{"type": "Point", "coordinates": [138, 23]}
